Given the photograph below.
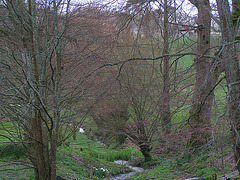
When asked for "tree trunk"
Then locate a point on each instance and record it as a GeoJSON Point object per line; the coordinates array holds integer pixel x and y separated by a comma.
{"type": "Point", "coordinates": [236, 14]}
{"type": "Point", "coordinates": [143, 141]}
{"type": "Point", "coordinates": [166, 119]}
{"type": "Point", "coordinates": [74, 130]}
{"type": "Point", "coordinates": [53, 165]}
{"type": "Point", "coordinates": [230, 63]}
{"type": "Point", "coordinates": [40, 165]}
{"type": "Point", "coordinates": [121, 138]}
{"type": "Point", "coordinates": [200, 112]}
{"type": "Point", "coordinates": [145, 150]}
{"type": "Point", "coordinates": [41, 171]}
{"type": "Point", "coordinates": [41, 129]}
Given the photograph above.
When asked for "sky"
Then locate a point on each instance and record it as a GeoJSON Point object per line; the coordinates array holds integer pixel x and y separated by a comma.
{"type": "Point", "coordinates": [188, 7]}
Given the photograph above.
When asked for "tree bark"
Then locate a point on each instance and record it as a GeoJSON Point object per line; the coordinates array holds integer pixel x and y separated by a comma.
{"type": "Point", "coordinates": [35, 46]}
{"type": "Point", "coordinates": [145, 150]}
{"type": "Point", "coordinates": [230, 63]}
{"type": "Point", "coordinates": [39, 146]}
{"type": "Point", "coordinates": [166, 119]}
{"type": "Point", "coordinates": [200, 112]}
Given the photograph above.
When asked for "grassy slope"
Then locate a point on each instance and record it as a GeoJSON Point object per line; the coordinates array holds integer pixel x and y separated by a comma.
{"type": "Point", "coordinates": [82, 159]}
{"type": "Point", "coordinates": [182, 165]}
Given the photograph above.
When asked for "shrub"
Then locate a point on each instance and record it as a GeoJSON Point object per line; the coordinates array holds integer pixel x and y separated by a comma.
{"type": "Point", "coordinates": [12, 150]}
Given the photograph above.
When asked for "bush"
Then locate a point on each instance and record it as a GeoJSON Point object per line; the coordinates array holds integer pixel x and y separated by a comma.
{"type": "Point", "coordinates": [202, 158]}
{"type": "Point", "coordinates": [11, 150]}
{"type": "Point", "coordinates": [112, 155]}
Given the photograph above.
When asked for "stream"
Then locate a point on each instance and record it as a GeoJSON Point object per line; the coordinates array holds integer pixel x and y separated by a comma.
{"type": "Point", "coordinates": [127, 175]}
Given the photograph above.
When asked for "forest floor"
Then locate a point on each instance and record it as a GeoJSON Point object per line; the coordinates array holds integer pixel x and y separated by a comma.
{"type": "Point", "coordinates": [86, 158]}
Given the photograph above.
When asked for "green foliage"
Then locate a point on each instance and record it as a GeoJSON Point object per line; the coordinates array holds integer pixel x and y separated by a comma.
{"type": "Point", "coordinates": [83, 159]}
{"type": "Point", "coordinates": [113, 155]}
{"type": "Point", "coordinates": [206, 173]}
{"type": "Point", "coordinates": [69, 167]}
{"type": "Point", "coordinates": [227, 167]}
{"type": "Point", "coordinates": [100, 173]}
{"type": "Point", "coordinates": [15, 171]}
{"type": "Point", "coordinates": [183, 159]}
{"type": "Point", "coordinates": [161, 172]}
{"type": "Point", "coordinates": [5, 128]}
{"type": "Point", "coordinates": [188, 165]}
{"type": "Point", "coordinates": [95, 150]}
{"type": "Point", "coordinates": [202, 158]}
{"type": "Point", "coordinates": [236, 13]}
{"type": "Point", "coordinates": [12, 151]}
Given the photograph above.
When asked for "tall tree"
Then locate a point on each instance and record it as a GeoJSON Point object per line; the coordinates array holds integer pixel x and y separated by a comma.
{"type": "Point", "coordinates": [166, 115]}
{"type": "Point", "coordinates": [42, 88]}
{"type": "Point", "coordinates": [230, 62]}
{"type": "Point", "coordinates": [200, 112]}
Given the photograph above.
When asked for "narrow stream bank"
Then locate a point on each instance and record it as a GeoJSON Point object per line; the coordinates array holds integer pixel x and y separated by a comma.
{"type": "Point", "coordinates": [126, 175]}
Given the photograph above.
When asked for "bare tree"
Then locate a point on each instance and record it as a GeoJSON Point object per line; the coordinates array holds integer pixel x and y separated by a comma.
{"type": "Point", "coordinates": [42, 90]}
{"type": "Point", "coordinates": [206, 76]}
{"type": "Point", "coordinates": [228, 55]}
{"type": "Point", "coordinates": [140, 89]}
{"type": "Point", "coordinates": [153, 25]}
{"type": "Point", "coordinates": [166, 118]}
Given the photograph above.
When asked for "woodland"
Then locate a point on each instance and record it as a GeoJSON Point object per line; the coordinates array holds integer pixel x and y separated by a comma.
{"type": "Point", "coordinates": [153, 82]}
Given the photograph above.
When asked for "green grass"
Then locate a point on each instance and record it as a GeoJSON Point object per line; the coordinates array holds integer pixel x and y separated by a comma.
{"type": "Point", "coordinates": [181, 167]}
{"type": "Point", "coordinates": [11, 169]}
{"type": "Point", "coordinates": [10, 150]}
{"type": "Point", "coordinates": [6, 128]}
{"type": "Point", "coordinates": [83, 159]}
{"type": "Point", "coordinates": [161, 172]}
{"type": "Point", "coordinates": [76, 163]}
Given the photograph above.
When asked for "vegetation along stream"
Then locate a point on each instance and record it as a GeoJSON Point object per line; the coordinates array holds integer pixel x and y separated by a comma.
{"type": "Point", "coordinates": [126, 175]}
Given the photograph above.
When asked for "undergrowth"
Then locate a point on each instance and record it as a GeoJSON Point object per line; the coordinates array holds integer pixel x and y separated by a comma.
{"type": "Point", "coordinates": [87, 159]}
{"type": "Point", "coordinates": [186, 165]}
{"type": "Point", "coordinates": [82, 159]}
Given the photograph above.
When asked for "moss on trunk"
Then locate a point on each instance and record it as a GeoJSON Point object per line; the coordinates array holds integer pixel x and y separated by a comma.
{"type": "Point", "coordinates": [145, 149]}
